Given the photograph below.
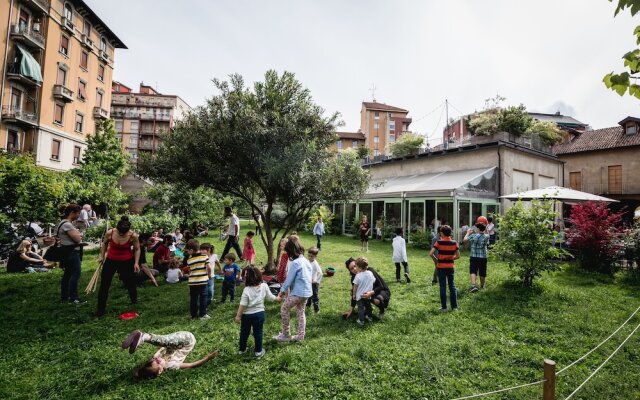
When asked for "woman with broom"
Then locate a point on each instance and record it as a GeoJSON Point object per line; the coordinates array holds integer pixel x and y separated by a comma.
{"type": "Point", "coordinates": [122, 250]}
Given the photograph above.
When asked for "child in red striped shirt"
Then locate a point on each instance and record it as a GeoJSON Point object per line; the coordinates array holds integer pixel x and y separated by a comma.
{"type": "Point", "coordinates": [448, 252]}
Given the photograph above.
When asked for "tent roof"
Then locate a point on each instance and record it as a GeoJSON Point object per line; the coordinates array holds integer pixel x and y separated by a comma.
{"type": "Point", "coordinates": [437, 183]}
{"type": "Point", "coordinates": [557, 193]}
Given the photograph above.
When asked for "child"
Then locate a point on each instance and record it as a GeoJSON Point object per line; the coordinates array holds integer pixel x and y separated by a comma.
{"type": "Point", "coordinates": [207, 249]}
{"type": "Point", "coordinates": [316, 277]}
{"type": "Point", "coordinates": [364, 234]}
{"type": "Point", "coordinates": [174, 274]}
{"type": "Point", "coordinates": [299, 281]}
{"type": "Point", "coordinates": [400, 255]}
{"type": "Point", "coordinates": [436, 237]}
{"type": "Point", "coordinates": [199, 273]}
{"type": "Point", "coordinates": [448, 252]}
{"type": "Point", "coordinates": [491, 231]}
{"type": "Point", "coordinates": [248, 254]}
{"type": "Point", "coordinates": [283, 263]}
{"type": "Point", "coordinates": [478, 261]}
{"type": "Point", "coordinates": [362, 283]}
{"type": "Point", "coordinates": [230, 272]}
{"type": "Point", "coordinates": [174, 349]}
{"type": "Point", "coordinates": [251, 313]}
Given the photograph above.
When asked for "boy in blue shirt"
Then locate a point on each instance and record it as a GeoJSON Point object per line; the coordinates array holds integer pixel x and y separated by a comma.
{"type": "Point", "coordinates": [231, 271]}
{"type": "Point", "coordinates": [478, 261]}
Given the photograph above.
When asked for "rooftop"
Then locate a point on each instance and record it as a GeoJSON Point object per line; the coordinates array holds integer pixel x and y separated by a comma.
{"type": "Point", "coordinates": [599, 139]}
{"type": "Point", "coordinates": [382, 107]}
{"type": "Point", "coordinates": [351, 135]}
{"type": "Point", "coordinates": [557, 118]}
{"type": "Point", "coordinates": [80, 5]}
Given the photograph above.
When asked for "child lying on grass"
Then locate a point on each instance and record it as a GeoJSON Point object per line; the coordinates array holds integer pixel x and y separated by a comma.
{"type": "Point", "coordinates": [174, 349]}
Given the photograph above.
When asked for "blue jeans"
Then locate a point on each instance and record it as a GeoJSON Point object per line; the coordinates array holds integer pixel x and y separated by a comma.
{"type": "Point", "coordinates": [228, 288]}
{"type": "Point", "coordinates": [445, 276]}
{"type": "Point", "coordinates": [210, 290]}
{"type": "Point", "coordinates": [231, 242]}
{"type": "Point", "coordinates": [253, 321]}
{"type": "Point", "coordinates": [72, 267]}
{"type": "Point", "coordinates": [198, 304]}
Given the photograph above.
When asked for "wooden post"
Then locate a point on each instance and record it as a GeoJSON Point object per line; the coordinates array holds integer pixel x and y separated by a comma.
{"type": "Point", "coordinates": [549, 388]}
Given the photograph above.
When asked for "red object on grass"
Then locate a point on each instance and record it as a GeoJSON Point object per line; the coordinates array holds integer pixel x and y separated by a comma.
{"type": "Point", "coordinates": [128, 315]}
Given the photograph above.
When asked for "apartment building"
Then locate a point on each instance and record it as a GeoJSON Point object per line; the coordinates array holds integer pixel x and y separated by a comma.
{"type": "Point", "coordinates": [141, 117]}
{"type": "Point", "coordinates": [382, 125]}
{"type": "Point", "coordinates": [57, 69]}
{"type": "Point", "coordinates": [349, 140]}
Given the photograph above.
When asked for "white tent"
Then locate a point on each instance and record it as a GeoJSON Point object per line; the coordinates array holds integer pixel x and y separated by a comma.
{"type": "Point", "coordinates": [559, 193]}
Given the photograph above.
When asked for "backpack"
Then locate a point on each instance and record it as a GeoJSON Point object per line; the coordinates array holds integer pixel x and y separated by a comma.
{"type": "Point", "coordinates": [15, 263]}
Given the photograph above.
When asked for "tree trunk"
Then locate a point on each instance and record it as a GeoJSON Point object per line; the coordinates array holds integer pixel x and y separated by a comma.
{"type": "Point", "coordinates": [270, 267]}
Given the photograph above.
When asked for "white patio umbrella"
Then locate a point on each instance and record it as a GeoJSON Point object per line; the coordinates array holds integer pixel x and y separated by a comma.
{"type": "Point", "coordinates": [559, 193]}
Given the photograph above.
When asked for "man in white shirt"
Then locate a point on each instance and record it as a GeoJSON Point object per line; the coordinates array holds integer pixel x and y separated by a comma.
{"type": "Point", "coordinates": [82, 222]}
{"type": "Point", "coordinates": [233, 233]}
{"type": "Point", "coordinates": [316, 277]}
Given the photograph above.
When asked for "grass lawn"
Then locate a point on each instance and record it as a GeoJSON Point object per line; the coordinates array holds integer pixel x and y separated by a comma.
{"type": "Point", "coordinates": [498, 338]}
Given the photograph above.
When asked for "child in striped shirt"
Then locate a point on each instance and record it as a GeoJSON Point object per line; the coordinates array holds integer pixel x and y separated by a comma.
{"type": "Point", "coordinates": [448, 252]}
{"type": "Point", "coordinates": [199, 274]}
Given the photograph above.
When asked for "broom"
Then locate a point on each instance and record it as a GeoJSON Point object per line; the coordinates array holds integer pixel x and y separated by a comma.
{"type": "Point", "coordinates": [91, 287]}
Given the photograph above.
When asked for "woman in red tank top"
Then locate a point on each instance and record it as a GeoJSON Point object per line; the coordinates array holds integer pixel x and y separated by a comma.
{"type": "Point", "coordinates": [122, 249]}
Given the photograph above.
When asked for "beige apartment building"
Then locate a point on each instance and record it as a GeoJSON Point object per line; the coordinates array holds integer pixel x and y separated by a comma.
{"type": "Point", "coordinates": [141, 117]}
{"type": "Point", "coordinates": [382, 125]}
{"type": "Point", "coordinates": [57, 68]}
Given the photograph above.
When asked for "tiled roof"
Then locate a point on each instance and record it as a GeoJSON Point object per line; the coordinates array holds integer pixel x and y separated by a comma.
{"type": "Point", "coordinates": [351, 135]}
{"type": "Point", "coordinates": [557, 118]}
{"type": "Point", "coordinates": [382, 107]}
{"type": "Point", "coordinates": [599, 139]}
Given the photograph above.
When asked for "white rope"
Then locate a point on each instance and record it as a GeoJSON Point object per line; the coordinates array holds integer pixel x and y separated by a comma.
{"type": "Point", "coordinates": [602, 365]}
{"type": "Point", "coordinates": [601, 343]}
{"type": "Point", "coordinates": [500, 390]}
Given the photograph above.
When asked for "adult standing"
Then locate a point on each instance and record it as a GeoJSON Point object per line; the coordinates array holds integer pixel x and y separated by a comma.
{"type": "Point", "coordinates": [120, 252]}
{"type": "Point", "coordinates": [93, 217]}
{"type": "Point", "coordinates": [71, 262]}
{"type": "Point", "coordinates": [233, 232]}
{"type": "Point", "coordinates": [380, 295]}
{"type": "Point", "coordinates": [365, 228]}
{"type": "Point", "coordinates": [258, 220]}
{"type": "Point", "coordinates": [318, 230]}
{"type": "Point", "coordinates": [82, 222]}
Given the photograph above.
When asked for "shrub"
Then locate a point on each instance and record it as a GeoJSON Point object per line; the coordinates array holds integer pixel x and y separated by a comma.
{"type": "Point", "coordinates": [632, 247]}
{"type": "Point", "coordinates": [422, 239]}
{"type": "Point", "coordinates": [526, 240]}
{"type": "Point", "coordinates": [408, 144]}
{"type": "Point", "coordinates": [593, 234]}
{"type": "Point", "coordinates": [278, 218]}
{"type": "Point", "coordinates": [548, 132]}
{"type": "Point", "coordinates": [96, 232]}
{"type": "Point", "coordinates": [147, 223]}
{"type": "Point", "coordinates": [327, 218]}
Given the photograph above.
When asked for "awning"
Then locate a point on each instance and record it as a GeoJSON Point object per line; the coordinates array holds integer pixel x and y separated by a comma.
{"type": "Point", "coordinates": [434, 184]}
{"type": "Point", "coordinates": [559, 193]}
{"type": "Point", "coordinates": [29, 66]}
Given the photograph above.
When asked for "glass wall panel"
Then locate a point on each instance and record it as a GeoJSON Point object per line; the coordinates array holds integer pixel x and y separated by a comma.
{"type": "Point", "coordinates": [476, 211]}
{"type": "Point", "coordinates": [416, 215]}
{"type": "Point", "coordinates": [350, 215]}
{"type": "Point", "coordinates": [365, 209]}
{"type": "Point", "coordinates": [430, 214]}
{"type": "Point", "coordinates": [338, 210]}
{"type": "Point", "coordinates": [444, 212]}
{"type": "Point", "coordinates": [393, 213]}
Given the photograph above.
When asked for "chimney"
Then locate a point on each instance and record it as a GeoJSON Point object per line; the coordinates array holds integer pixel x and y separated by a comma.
{"type": "Point", "coordinates": [558, 112]}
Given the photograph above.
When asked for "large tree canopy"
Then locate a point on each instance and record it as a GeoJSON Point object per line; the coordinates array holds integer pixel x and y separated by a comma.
{"type": "Point", "coordinates": [268, 145]}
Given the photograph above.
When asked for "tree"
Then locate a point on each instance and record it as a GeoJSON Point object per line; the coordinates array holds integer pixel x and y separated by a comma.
{"type": "Point", "coordinates": [526, 240]}
{"type": "Point", "coordinates": [624, 82]}
{"type": "Point", "coordinates": [548, 132]}
{"type": "Point", "coordinates": [267, 145]}
{"type": "Point", "coordinates": [104, 151]}
{"type": "Point", "coordinates": [408, 144]}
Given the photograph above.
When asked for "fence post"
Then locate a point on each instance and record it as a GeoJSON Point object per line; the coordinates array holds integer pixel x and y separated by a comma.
{"type": "Point", "coordinates": [549, 386]}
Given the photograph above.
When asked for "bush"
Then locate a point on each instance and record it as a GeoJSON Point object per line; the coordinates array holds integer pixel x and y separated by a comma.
{"type": "Point", "coordinates": [632, 247]}
{"type": "Point", "coordinates": [327, 218]}
{"type": "Point", "coordinates": [147, 223]}
{"type": "Point", "coordinates": [593, 234]}
{"type": "Point", "coordinates": [408, 144]}
{"type": "Point", "coordinates": [278, 218]}
{"type": "Point", "coordinates": [526, 240]}
{"type": "Point", "coordinates": [422, 239]}
{"type": "Point", "coordinates": [96, 232]}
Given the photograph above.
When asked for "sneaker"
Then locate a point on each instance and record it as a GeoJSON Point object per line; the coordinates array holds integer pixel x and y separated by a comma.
{"type": "Point", "coordinates": [397, 280]}
{"type": "Point", "coordinates": [473, 289]}
{"type": "Point", "coordinates": [205, 317]}
{"type": "Point", "coordinates": [434, 281]}
{"type": "Point", "coordinates": [454, 309]}
{"type": "Point", "coordinates": [380, 316]}
{"type": "Point", "coordinates": [367, 318]}
{"type": "Point", "coordinates": [259, 354]}
{"type": "Point", "coordinates": [241, 352]}
{"type": "Point", "coordinates": [133, 341]}
{"type": "Point", "coordinates": [282, 337]}
{"type": "Point", "coordinates": [406, 275]}
{"type": "Point", "coordinates": [443, 310]}
{"type": "Point", "coordinates": [77, 301]}
{"type": "Point", "coordinates": [317, 311]}
{"type": "Point", "coordinates": [360, 322]}
{"type": "Point", "coordinates": [297, 338]}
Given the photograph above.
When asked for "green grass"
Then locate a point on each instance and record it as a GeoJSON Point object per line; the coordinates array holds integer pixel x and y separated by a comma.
{"type": "Point", "coordinates": [499, 338]}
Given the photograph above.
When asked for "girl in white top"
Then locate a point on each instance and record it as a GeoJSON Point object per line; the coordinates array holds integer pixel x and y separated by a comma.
{"type": "Point", "coordinates": [174, 273]}
{"type": "Point", "coordinates": [251, 315]}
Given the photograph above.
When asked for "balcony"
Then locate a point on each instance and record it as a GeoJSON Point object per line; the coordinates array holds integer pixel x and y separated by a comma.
{"type": "Point", "coordinates": [154, 116]}
{"type": "Point", "coordinates": [63, 93]}
{"type": "Point", "coordinates": [86, 41]}
{"type": "Point", "coordinates": [100, 113]}
{"type": "Point", "coordinates": [67, 25]}
{"type": "Point", "coordinates": [27, 36]}
{"type": "Point", "coordinates": [38, 5]}
{"type": "Point", "coordinates": [146, 145]}
{"type": "Point", "coordinates": [14, 73]}
{"type": "Point", "coordinates": [104, 56]}
{"type": "Point", "coordinates": [19, 116]}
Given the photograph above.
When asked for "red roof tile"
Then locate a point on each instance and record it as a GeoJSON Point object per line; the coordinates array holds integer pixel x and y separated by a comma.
{"type": "Point", "coordinates": [351, 135]}
{"type": "Point", "coordinates": [599, 139]}
{"type": "Point", "coordinates": [382, 107]}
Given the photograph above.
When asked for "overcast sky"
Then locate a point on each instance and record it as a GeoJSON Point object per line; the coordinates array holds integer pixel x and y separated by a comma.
{"type": "Point", "coordinates": [549, 55]}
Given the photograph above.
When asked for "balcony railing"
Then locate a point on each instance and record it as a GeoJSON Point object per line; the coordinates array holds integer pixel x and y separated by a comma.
{"type": "Point", "coordinates": [63, 93]}
{"type": "Point", "coordinates": [604, 189]}
{"type": "Point", "coordinates": [41, 5]}
{"type": "Point", "coordinates": [19, 116]}
{"type": "Point", "coordinates": [14, 73]}
{"type": "Point", "coordinates": [146, 145]}
{"type": "Point", "coordinates": [141, 115]}
{"type": "Point", "coordinates": [104, 56]}
{"type": "Point", "coordinates": [27, 36]}
{"type": "Point", "coordinates": [100, 113]}
{"type": "Point", "coordinates": [67, 25]}
{"type": "Point", "coordinates": [86, 41]}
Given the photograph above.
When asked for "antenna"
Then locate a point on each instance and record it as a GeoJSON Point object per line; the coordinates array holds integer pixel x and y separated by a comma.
{"type": "Point", "coordinates": [373, 92]}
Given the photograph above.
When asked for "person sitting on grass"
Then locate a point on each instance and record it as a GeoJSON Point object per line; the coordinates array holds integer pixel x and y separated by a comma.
{"type": "Point", "coordinates": [174, 349]}
{"type": "Point", "coordinates": [26, 260]}
{"type": "Point", "coordinates": [162, 255]}
{"type": "Point", "coordinates": [174, 274]}
{"type": "Point", "coordinates": [380, 295]}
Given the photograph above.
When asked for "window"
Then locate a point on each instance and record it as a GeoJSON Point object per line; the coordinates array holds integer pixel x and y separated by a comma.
{"type": "Point", "coordinates": [339, 144]}
{"type": "Point", "coordinates": [575, 180]}
{"type": "Point", "coordinates": [631, 129]}
{"type": "Point", "coordinates": [13, 142]}
{"type": "Point", "coordinates": [61, 79]}
{"type": "Point", "coordinates": [68, 12]}
{"type": "Point", "coordinates": [58, 113]}
{"type": "Point", "coordinates": [392, 138]}
{"type": "Point", "coordinates": [84, 60]}
{"type": "Point", "coordinates": [86, 28]}
{"type": "Point", "coordinates": [79, 122]}
{"type": "Point", "coordinates": [376, 115]}
{"type": "Point", "coordinates": [103, 44]}
{"type": "Point", "coordinates": [64, 45]}
{"type": "Point", "coordinates": [82, 90]}
{"type": "Point", "coordinates": [376, 153]}
{"type": "Point", "coordinates": [392, 126]}
{"type": "Point", "coordinates": [99, 94]}
{"type": "Point", "coordinates": [23, 20]}
{"type": "Point", "coordinates": [133, 154]}
{"type": "Point", "coordinates": [133, 140]}
{"type": "Point", "coordinates": [134, 126]}
{"type": "Point", "coordinates": [354, 144]}
{"type": "Point", "coordinates": [376, 139]}
{"type": "Point", "coordinates": [101, 73]}
{"type": "Point", "coordinates": [16, 99]}
{"type": "Point", "coordinates": [55, 149]}
{"type": "Point", "coordinates": [76, 154]}
{"type": "Point", "coordinates": [615, 179]}
{"type": "Point", "coordinates": [376, 125]}
{"type": "Point", "coordinates": [118, 126]}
